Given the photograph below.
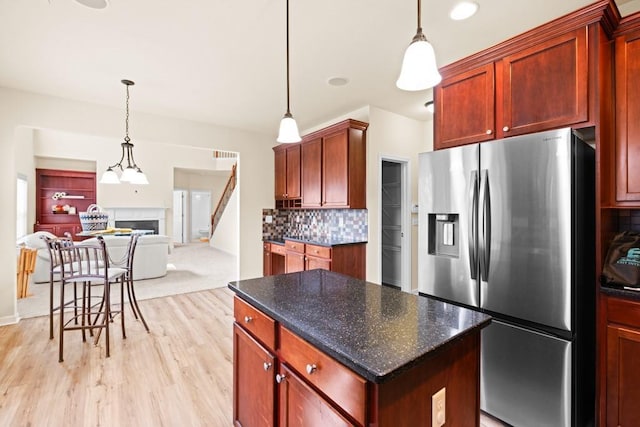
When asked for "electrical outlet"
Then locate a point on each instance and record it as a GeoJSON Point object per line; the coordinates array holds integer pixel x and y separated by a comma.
{"type": "Point", "coordinates": [438, 408]}
{"type": "Point", "coordinates": [268, 219]}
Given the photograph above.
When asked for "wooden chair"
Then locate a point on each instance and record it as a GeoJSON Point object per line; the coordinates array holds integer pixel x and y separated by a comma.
{"type": "Point", "coordinates": [126, 262]}
{"type": "Point", "coordinates": [88, 265]}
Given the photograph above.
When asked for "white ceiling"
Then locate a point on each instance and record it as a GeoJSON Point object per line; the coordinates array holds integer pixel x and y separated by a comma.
{"type": "Point", "coordinates": [223, 61]}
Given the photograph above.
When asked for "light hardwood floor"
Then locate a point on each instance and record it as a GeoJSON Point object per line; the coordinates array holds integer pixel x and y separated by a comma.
{"type": "Point", "coordinates": [180, 374]}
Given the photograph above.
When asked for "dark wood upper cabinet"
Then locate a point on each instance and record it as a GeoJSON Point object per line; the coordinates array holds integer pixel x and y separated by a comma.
{"type": "Point", "coordinates": [466, 108]}
{"type": "Point", "coordinates": [547, 78]}
{"type": "Point", "coordinates": [287, 187]}
{"type": "Point", "coordinates": [312, 173]}
{"type": "Point", "coordinates": [545, 86]}
{"type": "Point", "coordinates": [329, 167]}
{"type": "Point", "coordinates": [335, 169]}
{"type": "Point", "coordinates": [627, 157]}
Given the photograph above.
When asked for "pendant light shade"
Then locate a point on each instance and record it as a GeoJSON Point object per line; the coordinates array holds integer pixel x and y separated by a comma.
{"type": "Point", "coordinates": [288, 132]}
{"type": "Point", "coordinates": [419, 70]}
{"type": "Point", "coordinates": [131, 173]}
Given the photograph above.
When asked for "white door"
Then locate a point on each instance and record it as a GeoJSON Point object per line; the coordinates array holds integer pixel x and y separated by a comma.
{"type": "Point", "coordinates": [200, 214]}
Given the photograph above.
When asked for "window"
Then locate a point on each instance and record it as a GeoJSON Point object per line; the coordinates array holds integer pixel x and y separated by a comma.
{"type": "Point", "coordinates": [22, 204]}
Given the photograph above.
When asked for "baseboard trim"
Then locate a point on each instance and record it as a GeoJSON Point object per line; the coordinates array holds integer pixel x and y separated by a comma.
{"type": "Point", "coordinates": [9, 320]}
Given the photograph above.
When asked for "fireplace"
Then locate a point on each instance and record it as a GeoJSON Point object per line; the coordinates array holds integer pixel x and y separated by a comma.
{"type": "Point", "coordinates": [144, 224]}
{"type": "Point", "coordinates": [138, 218]}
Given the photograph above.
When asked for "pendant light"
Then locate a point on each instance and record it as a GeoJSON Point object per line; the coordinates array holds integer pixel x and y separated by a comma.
{"type": "Point", "coordinates": [288, 128]}
{"type": "Point", "coordinates": [130, 171]}
{"type": "Point", "coordinates": [419, 69]}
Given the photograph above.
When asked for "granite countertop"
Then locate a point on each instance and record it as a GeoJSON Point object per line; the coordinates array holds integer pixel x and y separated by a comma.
{"type": "Point", "coordinates": [320, 241]}
{"type": "Point", "coordinates": [374, 330]}
{"type": "Point", "coordinates": [621, 293]}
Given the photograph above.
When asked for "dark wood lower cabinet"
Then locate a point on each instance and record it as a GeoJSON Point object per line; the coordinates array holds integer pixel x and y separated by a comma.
{"type": "Point", "coordinates": [254, 377]}
{"type": "Point", "coordinates": [300, 405]}
{"type": "Point", "coordinates": [313, 389]}
{"type": "Point", "coordinates": [623, 363]}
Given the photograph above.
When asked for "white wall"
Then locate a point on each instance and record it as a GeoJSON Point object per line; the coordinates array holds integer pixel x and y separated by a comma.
{"type": "Point", "coordinates": [226, 236]}
{"type": "Point", "coordinates": [393, 135]}
{"type": "Point", "coordinates": [22, 109]}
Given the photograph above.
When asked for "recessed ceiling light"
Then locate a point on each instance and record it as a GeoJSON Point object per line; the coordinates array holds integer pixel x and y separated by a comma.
{"type": "Point", "coordinates": [463, 10]}
{"type": "Point", "coordinates": [93, 4]}
{"type": "Point", "coordinates": [338, 81]}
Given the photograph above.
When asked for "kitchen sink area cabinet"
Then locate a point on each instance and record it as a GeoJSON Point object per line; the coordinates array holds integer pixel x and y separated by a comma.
{"type": "Point", "coordinates": [506, 90]}
{"type": "Point", "coordinates": [349, 259]}
{"type": "Point", "coordinates": [627, 77]}
{"type": "Point", "coordinates": [287, 175]}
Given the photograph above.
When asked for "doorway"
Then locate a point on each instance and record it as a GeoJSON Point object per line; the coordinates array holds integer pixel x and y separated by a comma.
{"type": "Point", "coordinates": [200, 215]}
{"type": "Point", "coordinates": [180, 212]}
{"type": "Point", "coordinates": [394, 238]}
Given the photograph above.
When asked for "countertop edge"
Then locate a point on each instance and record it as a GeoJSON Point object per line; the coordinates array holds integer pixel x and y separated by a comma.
{"type": "Point", "coordinates": [314, 242]}
{"type": "Point", "coordinates": [343, 358]}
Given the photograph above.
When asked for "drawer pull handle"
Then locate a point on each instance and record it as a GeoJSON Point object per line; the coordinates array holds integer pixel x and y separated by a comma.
{"type": "Point", "coordinates": [248, 319]}
{"type": "Point", "coordinates": [280, 378]}
{"type": "Point", "coordinates": [311, 369]}
{"type": "Point", "coordinates": [266, 366]}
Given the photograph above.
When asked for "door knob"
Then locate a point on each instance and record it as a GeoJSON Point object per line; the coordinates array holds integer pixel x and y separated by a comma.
{"type": "Point", "coordinates": [280, 378]}
{"type": "Point", "coordinates": [505, 129]}
{"type": "Point", "coordinates": [266, 366]}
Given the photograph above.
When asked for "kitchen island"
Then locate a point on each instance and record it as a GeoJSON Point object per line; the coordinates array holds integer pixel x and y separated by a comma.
{"type": "Point", "coordinates": [321, 348]}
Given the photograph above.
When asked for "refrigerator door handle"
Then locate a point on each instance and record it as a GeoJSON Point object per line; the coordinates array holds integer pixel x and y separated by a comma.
{"type": "Point", "coordinates": [485, 234]}
{"type": "Point", "coordinates": [473, 225]}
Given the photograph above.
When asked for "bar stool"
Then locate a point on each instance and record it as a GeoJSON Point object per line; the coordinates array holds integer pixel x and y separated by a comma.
{"type": "Point", "coordinates": [126, 262]}
{"type": "Point", "coordinates": [88, 265]}
{"type": "Point", "coordinates": [55, 269]}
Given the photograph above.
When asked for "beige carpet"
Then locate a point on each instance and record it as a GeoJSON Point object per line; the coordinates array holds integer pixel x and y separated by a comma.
{"type": "Point", "coordinates": [192, 267]}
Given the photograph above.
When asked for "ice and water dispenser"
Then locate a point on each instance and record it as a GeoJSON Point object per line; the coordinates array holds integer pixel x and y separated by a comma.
{"type": "Point", "coordinates": [443, 234]}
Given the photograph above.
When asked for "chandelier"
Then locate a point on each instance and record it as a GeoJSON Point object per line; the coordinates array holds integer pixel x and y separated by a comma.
{"type": "Point", "coordinates": [131, 173]}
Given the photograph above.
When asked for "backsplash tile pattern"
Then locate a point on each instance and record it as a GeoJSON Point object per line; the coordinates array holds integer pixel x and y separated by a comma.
{"type": "Point", "coordinates": [316, 224]}
{"type": "Point", "coordinates": [629, 219]}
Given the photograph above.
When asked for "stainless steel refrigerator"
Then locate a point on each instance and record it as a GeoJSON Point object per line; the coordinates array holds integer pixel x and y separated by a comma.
{"type": "Point", "coordinates": [507, 227]}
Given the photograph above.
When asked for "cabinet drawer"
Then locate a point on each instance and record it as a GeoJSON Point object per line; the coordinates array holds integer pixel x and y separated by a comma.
{"type": "Point", "coordinates": [338, 383]}
{"type": "Point", "coordinates": [294, 246]}
{"type": "Point", "coordinates": [278, 249]}
{"type": "Point", "coordinates": [258, 324]}
{"type": "Point", "coordinates": [319, 251]}
{"type": "Point", "coordinates": [266, 246]}
{"type": "Point", "coordinates": [623, 312]}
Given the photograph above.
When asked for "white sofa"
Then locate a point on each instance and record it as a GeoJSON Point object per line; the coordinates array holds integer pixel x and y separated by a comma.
{"type": "Point", "coordinates": [150, 259]}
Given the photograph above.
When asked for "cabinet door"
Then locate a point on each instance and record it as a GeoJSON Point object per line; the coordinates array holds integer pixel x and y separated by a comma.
{"type": "Point", "coordinates": [293, 172]}
{"type": "Point", "coordinates": [280, 178]}
{"type": "Point", "coordinates": [545, 86]}
{"type": "Point", "coordinates": [315, 262]}
{"type": "Point", "coordinates": [302, 406]}
{"type": "Point", "coordinates": [294, 262]}
{"type": "Point", "coordinates": [311, 171]}
{"type": "Point", "coordinates": [627, 114]}
{"type": "Point", "coordinates": [335, 170]}
{"type": "Point", "coordinates": [253, 381]}
{"type": "Point", "coordinates": [623, 376]}
{"type": "Point", "coordinates": [465, 108]}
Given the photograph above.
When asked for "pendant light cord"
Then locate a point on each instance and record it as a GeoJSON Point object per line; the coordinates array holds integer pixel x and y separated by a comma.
{"type": "Point", "coordinates": [288, 110]}
{"type": "Point", "coordinates": [126, 119]}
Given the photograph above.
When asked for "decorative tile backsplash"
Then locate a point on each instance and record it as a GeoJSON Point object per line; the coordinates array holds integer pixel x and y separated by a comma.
{"type": "Point", "coordinates": [629, 219]}
{"type": "Point", "coordinates": [315, 224]}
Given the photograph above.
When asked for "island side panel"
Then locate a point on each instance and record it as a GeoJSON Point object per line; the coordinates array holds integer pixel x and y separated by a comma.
{"type": "Point", "coordinates": [406, 399]}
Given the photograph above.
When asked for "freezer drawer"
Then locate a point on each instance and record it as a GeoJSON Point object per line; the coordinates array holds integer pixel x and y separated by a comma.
{"type": "Point", "coordinates": [525, 377]}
